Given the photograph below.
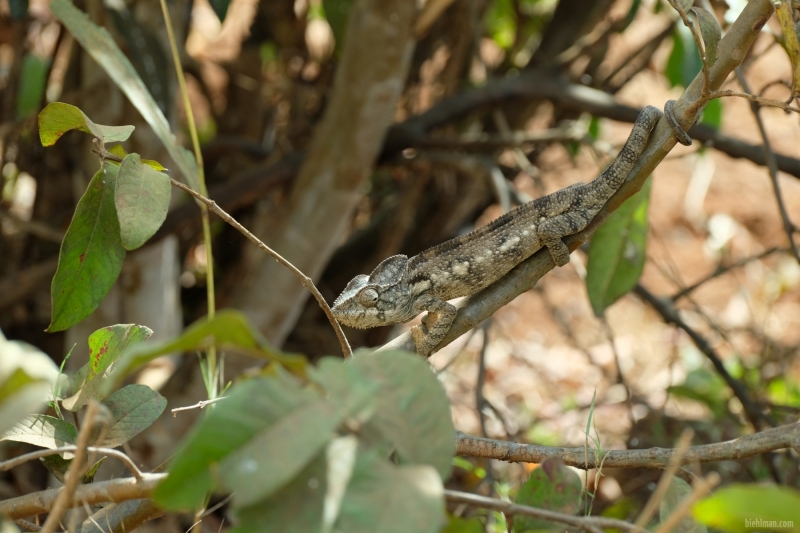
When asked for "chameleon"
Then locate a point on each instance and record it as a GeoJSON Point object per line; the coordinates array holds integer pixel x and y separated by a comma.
{"type": "Point", "coordinates": [400, 288]}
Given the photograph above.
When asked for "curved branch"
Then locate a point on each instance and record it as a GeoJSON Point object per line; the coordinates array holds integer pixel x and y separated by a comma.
{"type": "Point", "coordinates": [656, 458]}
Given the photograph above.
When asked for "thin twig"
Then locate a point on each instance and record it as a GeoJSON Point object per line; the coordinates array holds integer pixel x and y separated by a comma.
{"type": "Point", "coordinates": [668, 312]}
{"type": "Point", "coordinates": [720, 270]}
{"type": "Point", "coordinates": [769, 102]}
{"type": "Point", "coordinates": [109, 452]}
{"type": "Point", "coordinates": [214, 208]}
{"type": "Point", "coordinates": [768, 440]}
{"type": "Point", "coordinates": [587, 523]}
{"type": "Point", "coordinates": [73, 475]}
{"type": "Point", "coordinates": [772, 166]}
{"type": "Point", "coordinates": [198, 405]}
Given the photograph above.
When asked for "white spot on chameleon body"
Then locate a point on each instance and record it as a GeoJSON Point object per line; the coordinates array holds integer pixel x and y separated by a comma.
{"type": "Point", "coordinates": [461, 269]}
{"type": "Point", "coordinates": [510, 243]}
{"type": "Point", "coordinates": [422, 286]}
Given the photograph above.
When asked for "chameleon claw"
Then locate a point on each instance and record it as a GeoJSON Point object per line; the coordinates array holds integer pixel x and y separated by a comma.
{"type": "Point", "coordinates": [680, 133]}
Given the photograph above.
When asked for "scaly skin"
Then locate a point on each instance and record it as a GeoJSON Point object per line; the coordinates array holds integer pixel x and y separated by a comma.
{"type": "Point", "coordinates": [401, 288]}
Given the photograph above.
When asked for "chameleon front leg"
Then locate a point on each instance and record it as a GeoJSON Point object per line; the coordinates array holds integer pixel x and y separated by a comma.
{"type": "Point", "coordinates": [434, 325]}
{"type": "Point", "coordinates": [553, 229]}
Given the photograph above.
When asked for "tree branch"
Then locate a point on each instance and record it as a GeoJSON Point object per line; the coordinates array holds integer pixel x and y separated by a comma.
{"type": "Point", "coordinates": [656, 458]}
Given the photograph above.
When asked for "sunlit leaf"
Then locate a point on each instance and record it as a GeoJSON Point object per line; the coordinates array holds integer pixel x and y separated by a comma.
{"type": "Point", "coordinates": [58, 118]}
{"type": "Point", "coordinates": [618, 252]}
{"type": "Point", "coordinates": [27, 379]}
{"type": "Point", "coordinates": [228, 328]}
{"type": "Point", "coordinates": [142, 198]}
{"type": "Point", "coordinates": [739, 508]}
{"type": "Point", "coordinates": [42, 430]}
{"type": "Point", "coordinates": [91, 254]}
{"type": "Point", "coordinates": [105, 347]}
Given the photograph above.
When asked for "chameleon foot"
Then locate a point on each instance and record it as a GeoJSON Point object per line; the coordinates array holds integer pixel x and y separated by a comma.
{"type": "Point", "coordinates": [680, 133]}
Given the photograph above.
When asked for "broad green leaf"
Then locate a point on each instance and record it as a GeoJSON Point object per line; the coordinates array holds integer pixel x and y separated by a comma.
{"type": "Point", "coordinates": [552, 486]}
{"type": "Point", "coordinates": [91, 254]}
{"type": "Point", "coordinates": [278, 453]}
{"type": "Point", "coordinates": [618, 252]}
{"type": "Point", "coordinates": [299, 504]}
{"type": "Point", "coordinates": [58, 118]}
{"type": "Point", "coordinates": [105, 347]}
{"type": "Point", "coordinates": [249, 409]}
{"type": "Point", "coordinates": [32, 81]}
{"type": "Point", "coordinates": [740, 508]}
{"type": "Point", "coordinates": [709, 31]}
{"type": "Point", "coordinates": [685, 4]}
{"type": "Point", "coordinates": [391, 499]}
{"type": "Point", "coordinates": [412, 413]}
{"type": "Point", "coordinates": [42, 430]}
{"type": "Point", "coordinates": [99, 44]}
{"type": "Point", "coordinates": [133, 409]}
{"type": "Point", "coordinates": [27, 379]}
{"type": "Point", "coordinates": [142, 200]}
{"type": "Point", "coordinates": [790, 41]}
{"type": "Point", "coordinates": [684, 61]}
{"type": "Point", "coordinates": [220, 7]}
{"type": "Point", "coordinates": [347, 386]}
{"type": "Point", "coordinates": [228, 328]}
{"type": "Point", "coordinates": [677, 492]}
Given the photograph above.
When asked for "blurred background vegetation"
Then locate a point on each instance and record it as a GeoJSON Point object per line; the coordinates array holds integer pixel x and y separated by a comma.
{"type": "Point", "coordinates": [344, 131]}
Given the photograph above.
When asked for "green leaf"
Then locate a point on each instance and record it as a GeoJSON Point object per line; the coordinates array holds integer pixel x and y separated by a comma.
{"type": "Point", "coordinates": [142, 199]}
{"type": "Point", "coordinates": [709, 31]}
{"type": "Point", "coordinates": [228, 328]}
{"type": "Point", "coordinates": [120, 152]}
{"type": "Point", "coordinates": [220, 7]}
{"type": "Point", "coordinates": [32, 81]}
{"type": "Point", "coordinates": [249, 409]}
{"type": "Point", "coordinates": [105, 347]}
{"type": "Point", "coordinates": [91, 254]}
{"type": "Point", "coordinates": [684, 61]}
{"type": "Point", "coordinates": [712, 114]}
{"type": "Point", "coordinates": [790, 41]}
{"type": "Point", "coordinates": [412, 413]}
{"type": "Point", "coordinates": [464, 525]}
{"type": "Point", "coordinates": [99, 44]}
{"type": "Point", "coordinates": [58, 118]}
{"type": "Point", "coordinates": [552, 486]}
{"type": "Point", "coordinates": [279, 452]}
{"type": "Point", "coordinates": [299, 504]}
{"type": "Point", "coordinates": [27, 378]}
{"type": "Point", "coordinates": [58, 466]}
{"type": "Point", "coordinates": [618, 252]}
{"type": "Point", "coordinates": [741, 508]}
{"type": "Point", "coordinates": [133, 409]}
{"type": "Point", "coordinates": [42, 430]}
{"type": "Point", "coordinates": [685, 4]}
{"type": "Point", "coordinates": [391, 499]}
{"type": "Point", "coordinates": [677, 492]}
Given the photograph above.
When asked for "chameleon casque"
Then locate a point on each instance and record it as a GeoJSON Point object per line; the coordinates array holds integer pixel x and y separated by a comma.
{"type": "Point", "coordinates": [400, 288]}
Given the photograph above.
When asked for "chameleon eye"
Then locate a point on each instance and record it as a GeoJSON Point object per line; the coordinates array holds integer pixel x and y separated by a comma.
{"type": "Point", "coordinates": [368, 297]}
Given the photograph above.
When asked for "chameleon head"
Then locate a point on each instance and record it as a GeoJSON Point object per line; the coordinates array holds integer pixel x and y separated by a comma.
{"type": "Point", "coordinates": [383, 297]}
